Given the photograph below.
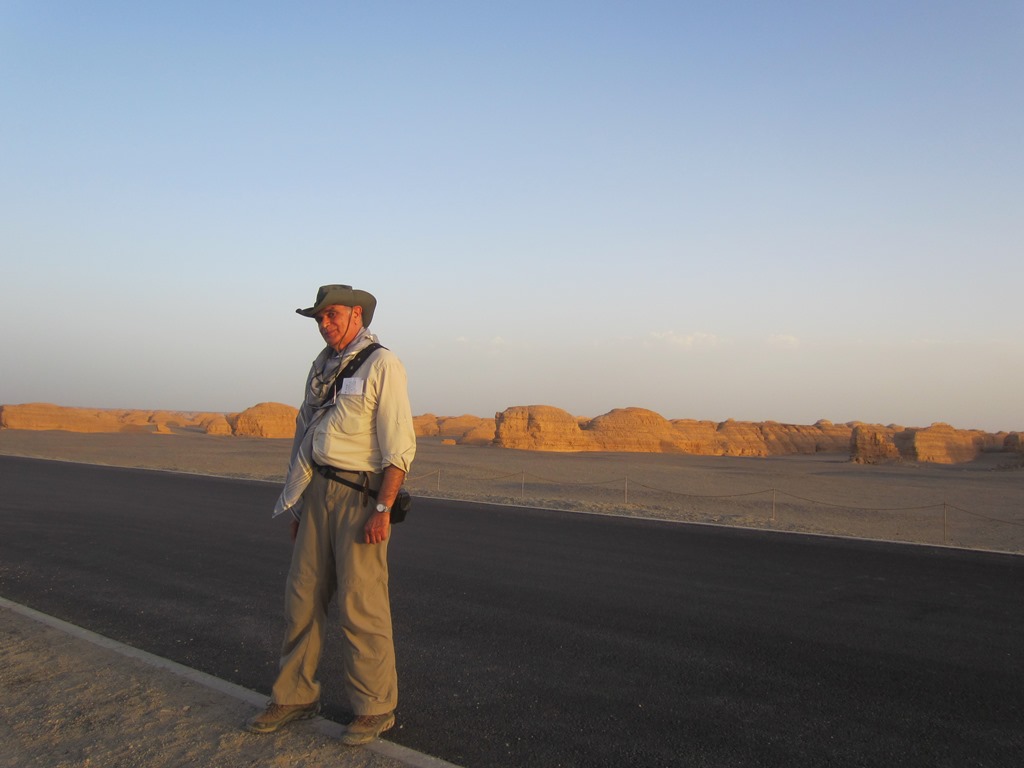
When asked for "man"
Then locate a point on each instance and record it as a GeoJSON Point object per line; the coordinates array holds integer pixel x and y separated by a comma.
{"type": "Point", "coordinates": [354, 429]}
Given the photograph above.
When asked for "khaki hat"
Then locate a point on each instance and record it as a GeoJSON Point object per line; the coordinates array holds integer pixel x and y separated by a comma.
{"type": "Point", "coordinates": [347, 296]}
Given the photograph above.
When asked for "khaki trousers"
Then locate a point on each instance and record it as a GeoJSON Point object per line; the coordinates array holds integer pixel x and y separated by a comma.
{"type": "Point", "coordinates": [331, 558]}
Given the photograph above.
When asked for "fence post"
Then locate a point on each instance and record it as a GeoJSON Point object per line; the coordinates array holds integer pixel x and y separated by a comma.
{"type": "Point", "coordinates": [522, 486]}
{"type": "Point", "coordinates": [625, 490]}
{"type": "Point", "coordinates": [945, 522]}
{"type": "Point", "coordinates": [773, 505]}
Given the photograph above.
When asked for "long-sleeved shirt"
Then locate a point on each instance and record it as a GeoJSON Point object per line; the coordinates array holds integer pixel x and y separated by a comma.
{"type": "Point", "coordinates": [369, 426]}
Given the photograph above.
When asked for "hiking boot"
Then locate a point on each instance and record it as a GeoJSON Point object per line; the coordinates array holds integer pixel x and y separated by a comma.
{"type": "Point", "coordinates": [277, 715]}
{"type": "Point", "coordinates": [366, 728]}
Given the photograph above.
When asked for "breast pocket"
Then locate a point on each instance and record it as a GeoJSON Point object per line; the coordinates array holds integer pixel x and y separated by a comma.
{"type": "Point", "coordinates": [352, 414]}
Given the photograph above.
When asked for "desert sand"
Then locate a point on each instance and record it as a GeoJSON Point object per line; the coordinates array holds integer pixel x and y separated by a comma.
{"type": "Point", "coordinates": [73, 699]}
{"type": "Point", "coordinates": [977, 504]}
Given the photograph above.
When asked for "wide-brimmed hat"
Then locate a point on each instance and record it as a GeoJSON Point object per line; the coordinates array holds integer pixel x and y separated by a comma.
{"type": "Point", "coordinates": [347, 296]}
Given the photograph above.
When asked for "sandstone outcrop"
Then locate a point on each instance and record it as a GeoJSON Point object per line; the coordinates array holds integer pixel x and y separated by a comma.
{"type": "Point", "coordinates": [872, 444]}
{"type": "Point", "coordinates": [545, 428]}
{"type": "Point", "coordinates": [697, 437]}
{"type": "Point", "coordinates": [942, 444]}
{"type": "Point", "coordinates": [257, 421]}
{"type": "Point", "coordinates": [539, 428]}
{"type": "Point", "coordinates": [482, 434]}
{"type": "Point", "coordinates": [463, 430]}
{"type": "Point", "coordinates": [635, 430]}
{"type": "Point", "coordinates": [467, 430]}
{"type": "Point", "coordinates": [821, 437]}
{"type": "Point", "coordinates": [274, 420]}
{"type": "Point", "coordinates": [741, 438]}
{"type": "Point", "coordinates": [214, 424]}
{"type": "Point", "coordinates": [45, 416]}
{"type": "Point", "coordinates": [426, 425]}
{"type": "Point", "coordinates": [640, 430]}
{"type": "Point", "coordinates": [937, 444]}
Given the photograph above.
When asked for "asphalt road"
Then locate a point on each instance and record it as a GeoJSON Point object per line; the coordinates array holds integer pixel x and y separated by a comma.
{"type": "Point", "coordinates": [535, 638]}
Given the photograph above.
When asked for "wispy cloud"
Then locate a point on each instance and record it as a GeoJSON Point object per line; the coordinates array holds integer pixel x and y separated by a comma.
{"type": "Point", "coordinates": [683, 340]}
{"type": "Point", "coordinates": [783, 341]}
{"type": "Point", "coordinates": [495, 345]}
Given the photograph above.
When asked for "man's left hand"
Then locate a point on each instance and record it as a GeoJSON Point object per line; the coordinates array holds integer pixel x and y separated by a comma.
{"type": "Point", "coordinates": [377, 527]}
{"type": "Point", "coordinates": [379, 524]}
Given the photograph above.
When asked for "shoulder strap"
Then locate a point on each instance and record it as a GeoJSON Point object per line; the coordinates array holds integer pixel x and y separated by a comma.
{"type": "Point", "coordinates": [355, 363]}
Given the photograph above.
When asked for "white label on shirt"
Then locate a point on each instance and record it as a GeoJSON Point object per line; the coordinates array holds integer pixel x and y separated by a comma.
{"type": "Point", "coordinates": [353, 386]}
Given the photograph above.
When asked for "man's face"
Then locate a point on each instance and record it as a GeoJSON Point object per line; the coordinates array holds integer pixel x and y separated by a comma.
{"type": "Point", "coordinates": [339, 324]}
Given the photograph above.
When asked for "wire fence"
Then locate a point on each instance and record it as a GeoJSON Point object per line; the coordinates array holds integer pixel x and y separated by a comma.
{"type": "Point", "coordinates": [768, 507]}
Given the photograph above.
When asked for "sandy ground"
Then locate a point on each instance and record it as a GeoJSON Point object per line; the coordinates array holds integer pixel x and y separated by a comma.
{"type": "Point", "coordinates": [979, 505]}
{"type": "Point", "coordinates": [74, 699]}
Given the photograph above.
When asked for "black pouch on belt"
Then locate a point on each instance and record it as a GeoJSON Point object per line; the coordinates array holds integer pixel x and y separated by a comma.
{"type": "Point", "coordinates": [401, 507]}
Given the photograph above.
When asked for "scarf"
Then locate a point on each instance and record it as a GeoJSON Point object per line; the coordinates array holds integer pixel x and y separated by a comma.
{"type": "Point", "coordinates": [322, 376]}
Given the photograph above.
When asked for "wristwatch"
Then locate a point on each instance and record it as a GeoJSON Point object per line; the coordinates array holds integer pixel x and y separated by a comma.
{"type": "Point", "coordinates": [383, 508]}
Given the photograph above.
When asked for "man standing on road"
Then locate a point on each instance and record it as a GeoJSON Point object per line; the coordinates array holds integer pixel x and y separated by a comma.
{"type": "Point", "coordinates": [354, 443]}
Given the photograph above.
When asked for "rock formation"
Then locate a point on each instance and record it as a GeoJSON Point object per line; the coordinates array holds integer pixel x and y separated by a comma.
{"type": "Point", "coordinates": [937, 444]}
{"type": "Point", "coordinates": [482, 434]}
{"type": "Point", "coordinates": [741, 438]}
{"type": "Point", "coordinates": [545, 428]}
{"type": "Point", "coordinates": [872, 444]}
{"type": "Point", "coordinates": [539, 428]}
{"type": "Point", "coordinates": [465, 430]}
{"type": "Point", "coordinates": [426, 425]}
{"type": "Point", "coordinates": [942, 444]}
{"type": "Point", "coordinates": [44, 416]}
{"type": "Point", "coordinates": [258, 421]}
{"type": "Point", "coordinates": [636, 430]}
{"type": "Point", "coordinates": [821, 437]}
{"type": "Point", "coordinates": [265, 420]}
{"type": "Point", "coordinates": [697, 437]}
{"type": "Point", "coordinates": [215, 424]}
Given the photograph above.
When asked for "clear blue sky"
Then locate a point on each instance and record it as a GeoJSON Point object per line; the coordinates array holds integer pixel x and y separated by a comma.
{"type": "Point", "coordinates": [751, 210]}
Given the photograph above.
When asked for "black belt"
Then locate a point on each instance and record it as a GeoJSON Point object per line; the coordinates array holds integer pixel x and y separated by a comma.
{"type": "Point", "coordinates": [336, 475]}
